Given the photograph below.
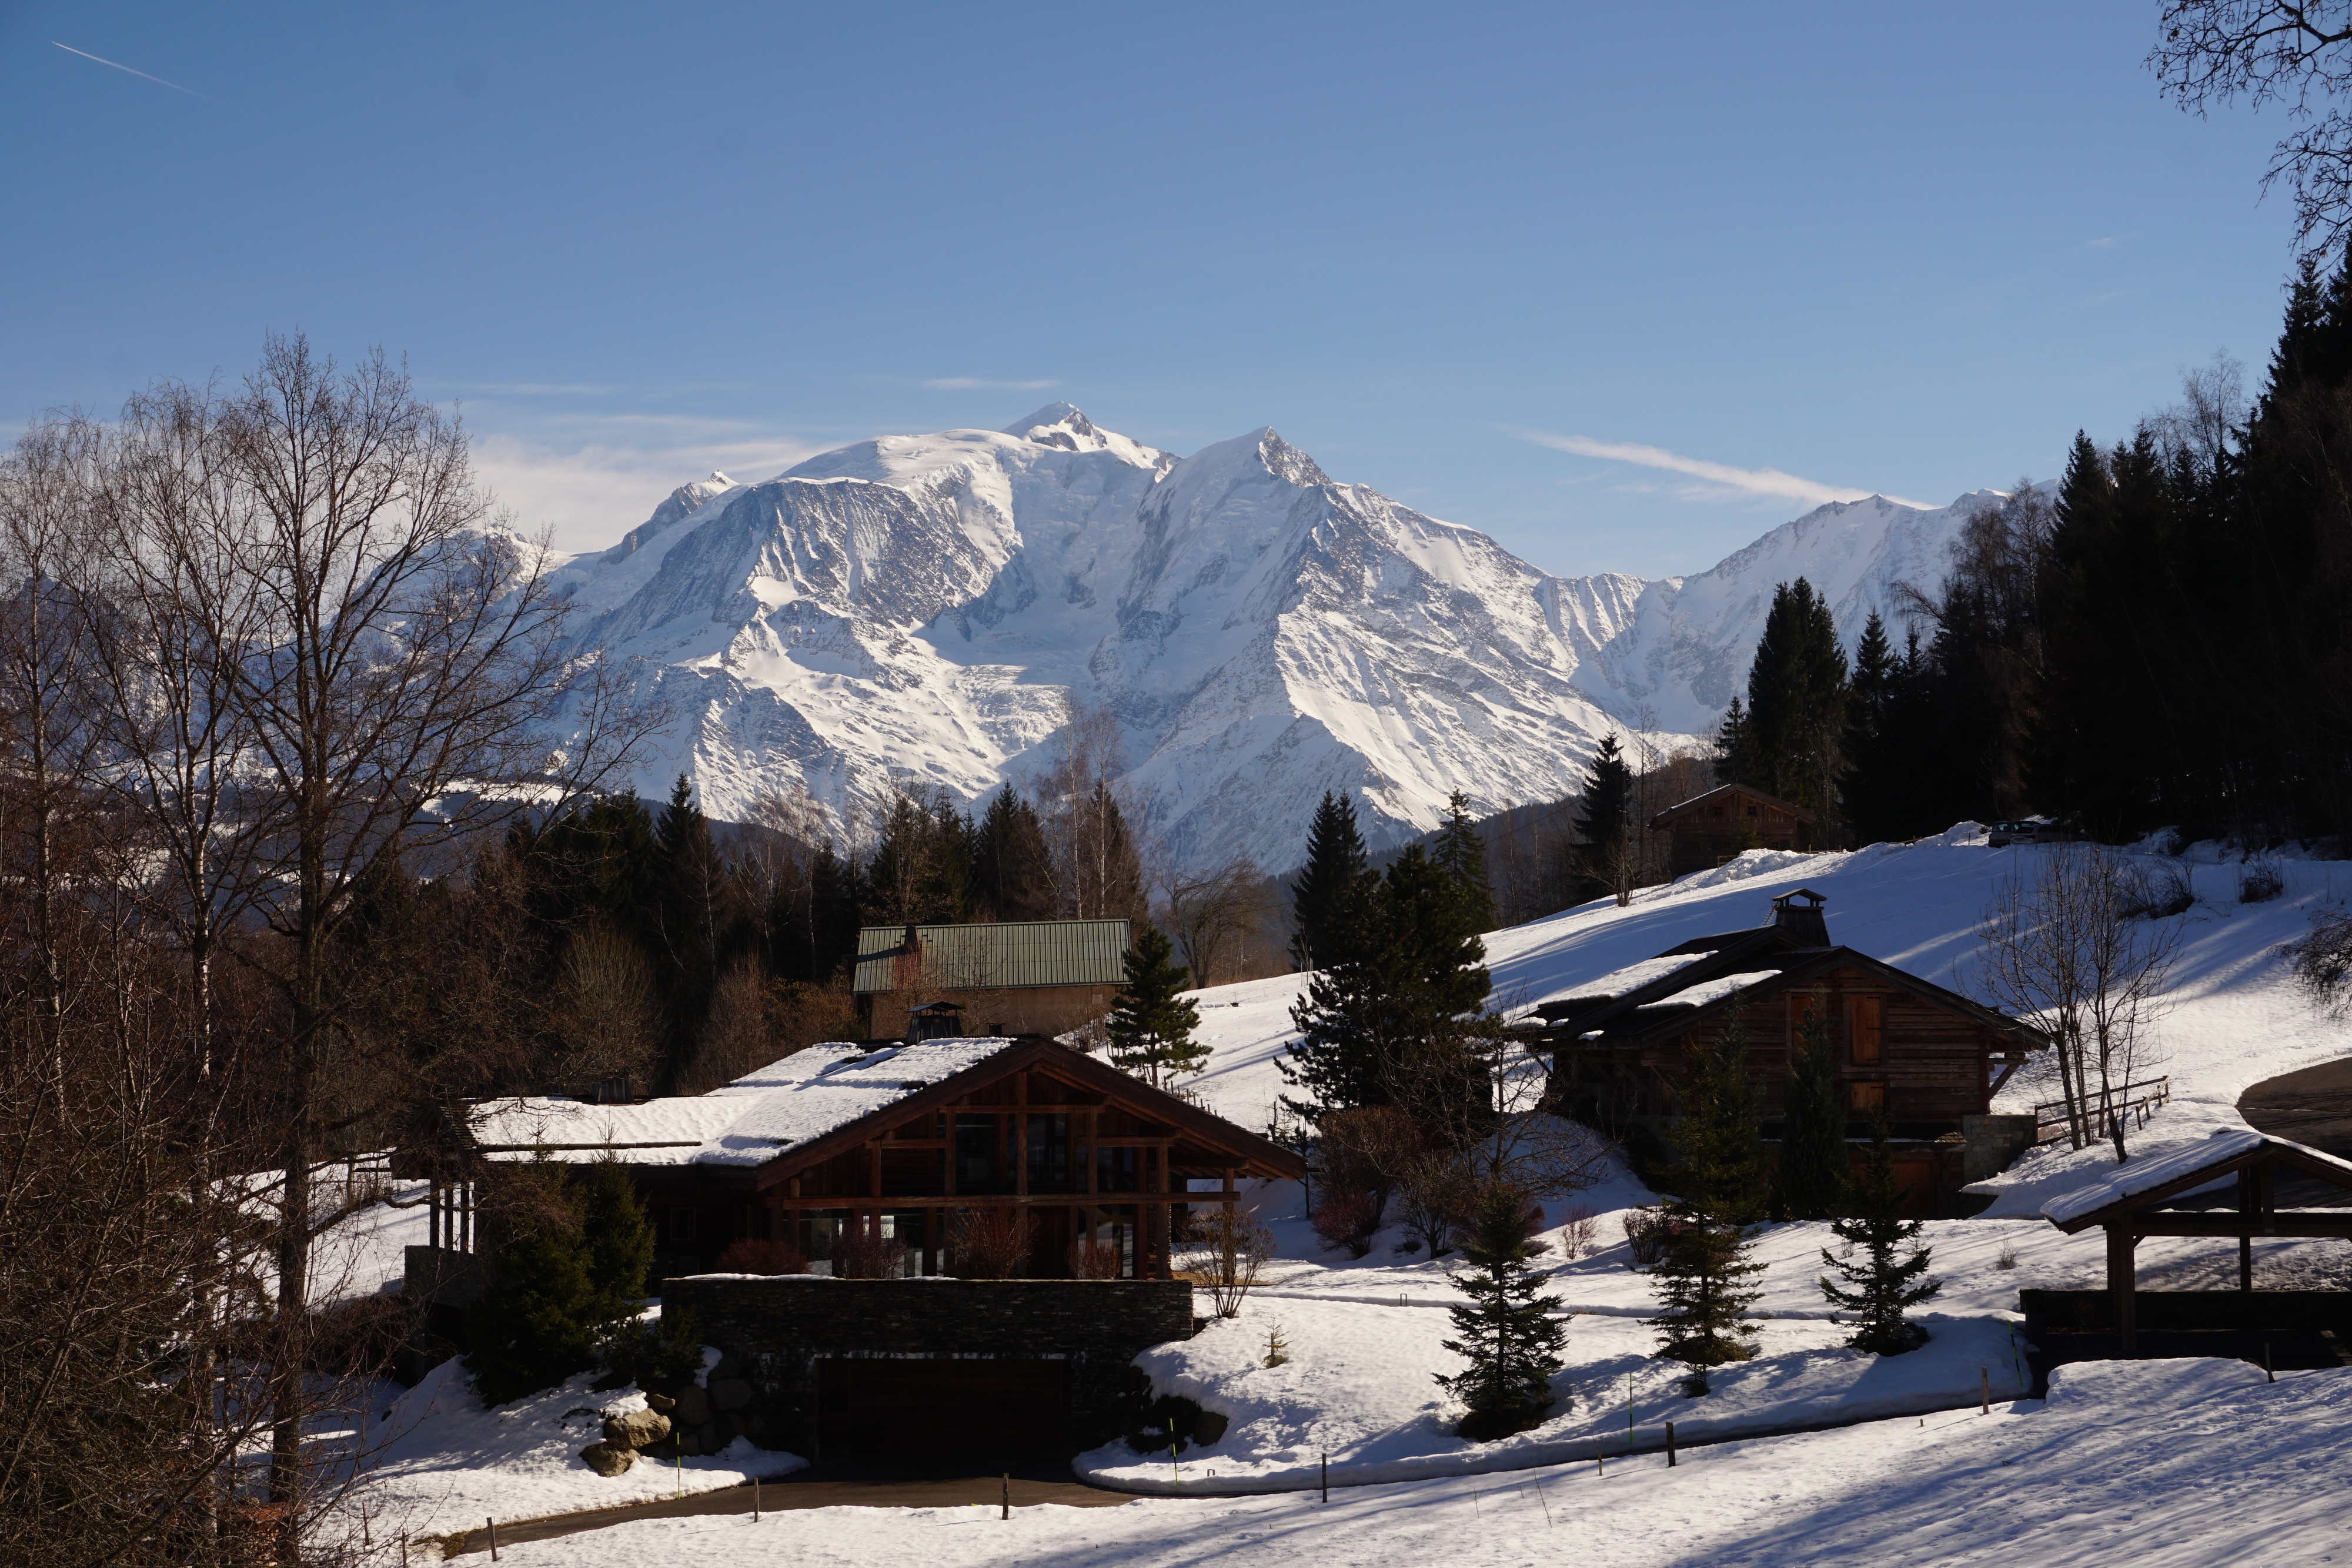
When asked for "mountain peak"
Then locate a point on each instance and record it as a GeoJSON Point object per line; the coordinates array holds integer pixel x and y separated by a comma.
{"type": "Point", "coordinates": [1054, 417]}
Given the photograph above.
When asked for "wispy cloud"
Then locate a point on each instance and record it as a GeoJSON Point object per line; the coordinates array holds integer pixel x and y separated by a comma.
{"type": "Point", "coordinates": [142, 76]}
{"type": "Point", "coordinates": [1724, 481]}
{"type": "Point", "coordinates": [535, 389]}
{"type": "Point", "coordinates": [590, 480]}
{"type": "Point", "coordinates": [975, 383]}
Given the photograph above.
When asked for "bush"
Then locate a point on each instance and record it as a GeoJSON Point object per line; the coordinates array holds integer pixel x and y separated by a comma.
{"type": "Point", "coordinates": [568, 1265]}
{"type": "Point", "coordinates": [667, 1350]}
{"type": "Point", "coordinates": [1348, 1220]}
{"type": "Point", "coordinates": [862, 1252]}
{"type": "Point", "coordinates": [1094, 1260]}
{"type": "Point", "coordinates": [2323, 961]}
{"type": "Point", "coordinates": [991, 1243]}
{"type": "Point", "coordinates": [1152, 1435]}
{"type": "Point", "coordinates": [2260, 881]}
{"type": "Point", "coordinates": [1647, 1233]}
{"type": "Point", "coordinates": [2160, 894]}
{"type": "Point", "coordinates": [1579, 1230]}
{"type": "Point", "coordinates": [748, 1257]}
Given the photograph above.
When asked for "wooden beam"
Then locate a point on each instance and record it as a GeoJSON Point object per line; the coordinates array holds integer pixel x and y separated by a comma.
{"type": "Point", "coordinates": [2122, 1282]}
{"type": "Point", "coordinates": [2223, 1225]}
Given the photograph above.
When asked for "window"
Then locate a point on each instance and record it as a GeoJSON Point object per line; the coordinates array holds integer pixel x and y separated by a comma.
{"type": "Point", "coordinates": [1868, 1097]}
{"type": "Point", "coordinates": [681, 1225]}
{"type": "Point", "coordinates": [1861, 1019]}
{"type": "Point", "coordinates": [975, 1152]}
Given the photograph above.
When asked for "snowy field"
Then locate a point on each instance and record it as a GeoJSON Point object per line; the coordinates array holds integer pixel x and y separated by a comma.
{"type": "Point", "coordinates": [2178, 1464]}
{"type": "Point", "coordinates": [1363, 1335]}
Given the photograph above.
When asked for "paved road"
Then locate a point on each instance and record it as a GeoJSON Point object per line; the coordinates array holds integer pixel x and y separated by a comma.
{"type": "Point", "coordinates": [827, 1486]}
{"type": "Point", "coordinates": [2315, 1107]}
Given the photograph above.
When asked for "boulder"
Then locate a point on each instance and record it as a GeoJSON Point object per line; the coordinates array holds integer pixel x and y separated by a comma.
{"type": "Point", "coordinates": [693, 1407]}
{"type": "Point", "coordinates": [1209, 1428]}
{"type": "Point", "coordinates": [608, 1459]}
{"type": "Point", "coordinates": [729, 1393]}
{"type": "Point", "coordinates": [637, 1429]}
{"type": "Point", "coordinates": [661, 1402]}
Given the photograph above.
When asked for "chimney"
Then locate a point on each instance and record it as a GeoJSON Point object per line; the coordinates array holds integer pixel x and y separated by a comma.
{"type": "Point", "coordinates": [1800, 914]}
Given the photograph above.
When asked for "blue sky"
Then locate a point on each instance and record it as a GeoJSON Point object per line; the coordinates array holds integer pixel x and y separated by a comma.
{"type": "Point", "coordinates": [1452, 252]}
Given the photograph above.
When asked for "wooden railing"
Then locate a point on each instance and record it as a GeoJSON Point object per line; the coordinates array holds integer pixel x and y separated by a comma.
{"type": "Point", "coordinates": [2050, 1117]}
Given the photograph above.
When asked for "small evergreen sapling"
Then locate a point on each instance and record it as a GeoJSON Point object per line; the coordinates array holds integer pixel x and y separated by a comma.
{"type": "Point", "coordinates": [1507, 1332]}
{"type": "Point", "coordinates": [1702, 1273]}
{"type": "Point", "coordinates": [1878, 1288]}
{"type": "Point", "coordinates": [1150, 1026]}
{"type": "Point", "coordinates": [1814, 1171]}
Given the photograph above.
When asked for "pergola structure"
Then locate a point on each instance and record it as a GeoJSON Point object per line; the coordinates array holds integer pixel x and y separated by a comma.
{"type": "Point", "coordinates": [2130, 1204]}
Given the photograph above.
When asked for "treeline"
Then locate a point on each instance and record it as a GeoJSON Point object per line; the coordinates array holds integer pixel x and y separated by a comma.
{"type": "Point", "coordinates": [2163, 642]}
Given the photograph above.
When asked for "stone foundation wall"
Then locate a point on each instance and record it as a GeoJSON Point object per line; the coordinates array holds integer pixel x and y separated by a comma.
{"type": "Point", "coordinates": [776, 1330]}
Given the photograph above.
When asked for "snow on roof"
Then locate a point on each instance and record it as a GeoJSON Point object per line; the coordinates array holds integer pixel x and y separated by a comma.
{"type": "Point", "coordinates": [1631, 978]}
{"type": "Point", "coordinates": [2147, 1174]}
{"type": "Point", "coordinates": [790, 1102]}
{"type": "Point", "coordinates": [1715, 990]}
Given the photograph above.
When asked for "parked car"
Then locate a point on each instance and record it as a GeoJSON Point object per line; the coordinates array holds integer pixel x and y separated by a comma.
{"type": "Point", "coordinates": [2001, 834]}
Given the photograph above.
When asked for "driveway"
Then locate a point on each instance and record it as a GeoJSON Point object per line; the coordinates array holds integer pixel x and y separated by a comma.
{"type": "Point", "coordinates": [2313, 1107]}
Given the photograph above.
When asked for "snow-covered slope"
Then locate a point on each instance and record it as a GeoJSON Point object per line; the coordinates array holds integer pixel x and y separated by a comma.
{"type": "Point", "coordinates": [917, 607]}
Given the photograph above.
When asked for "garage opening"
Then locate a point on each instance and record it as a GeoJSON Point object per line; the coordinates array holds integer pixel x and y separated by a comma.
{"type": "Point", "coordinates": [943, 1409]}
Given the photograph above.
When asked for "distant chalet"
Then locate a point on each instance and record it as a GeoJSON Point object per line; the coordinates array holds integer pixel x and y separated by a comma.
{"type": "Point", "coordinates": [1713, 827]}
{"type": "Point", "coordinates": [1026, 977]}
{"type": "Point", "coordinates": [1621, 1046]}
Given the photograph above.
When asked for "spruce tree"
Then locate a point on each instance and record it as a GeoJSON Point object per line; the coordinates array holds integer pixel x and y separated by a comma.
{"type": "Point", "coordinates": [1872, 784]}
{"type": "Point", "coordinates": [1383, 1019]}
{"type": "Point", "coordinates": [1330, 884]}
{"type": "Point", "coordinates": [1507, 1334]}
{"type": "Point", "coordinates": [1603, 820]}
{"type": "Point", "coordinates": [537, 1323]}
{"type": "Point", "coordinates": [1704, 1276]}
{"type": "Point", "coordinates": [1795, 720]}
{"type": "Point", "coordinates": [1012, 871]}
{"type": "Point", "coordinates": [1150, 1026]}
{"type": "Point", "coordinates": [1461, 853]}
{"type": "Point", "coordinates": [1814, 1172]}
{"type": "Point", "coordinates": [1878, 1287]}
{"type": "Point", "coordinates": [690, 917]}
{"type": "Point", "coordinates": [619, 1241]}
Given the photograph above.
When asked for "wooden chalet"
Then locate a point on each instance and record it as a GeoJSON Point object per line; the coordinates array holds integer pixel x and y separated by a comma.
{"type": "Point", "coordinates": [1710, 828]}
{"type": "Point", "coordinates": [1620, 1048]}
{"type": "Point", "coordinates": [1019, 977]}
{"type": "Point", "coordinates": [908, 1134]}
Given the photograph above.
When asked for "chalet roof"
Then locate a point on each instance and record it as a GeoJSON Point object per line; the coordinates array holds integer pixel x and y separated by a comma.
{"type": "Point", "coordinates": [2145, 1181]}
{"type": "Point", "coordinates": [796, 1109]}
{"type": "Point", "coordinates": [996, 958]}
{"type": "Point", "coordinates": [744, 1124]}
{"type": "Point", "coordinates": [1720, 790]}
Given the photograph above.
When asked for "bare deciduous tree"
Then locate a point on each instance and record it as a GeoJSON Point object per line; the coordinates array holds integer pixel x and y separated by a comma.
{"type": "Point", "coordinates": [2067, 944]}
{"type": "Point", "coordinates": [2290, 53]}
{"type": "Point", "coordinates": [1213, 916]}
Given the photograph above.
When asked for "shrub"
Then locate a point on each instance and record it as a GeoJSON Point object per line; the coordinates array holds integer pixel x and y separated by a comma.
{"type": "Point", "coordinates": [1647, 1233]}
{"type": "Point", "coordinates": [748, 1257]}
{"type": "Point", "coordinates": [2260, 881]}
{"type": "Point", "coordinates": [2323, 961]}
{"type": "Point", "coordinates": [862, 1252]}
{"type": "Point", "coordinates": [991, 1243]}
{"type": "Point", "coordinates": [569, 1266]}
{"type": "Point", "coordinates": [1153, 1433]}
{"type": "Point", "coordinates": [1348, 1220]}
{"type": "Point", "coordinates": [1226, 1249]}
{"type": "Point", "coordinates": [666, 1351]}
{"type": "Point", "coordinates": [1579, 1230]}
{"type": "Point", "coordinates": [1091, 1259]}
{"type": "Point", "coordinates": [2160, 894]}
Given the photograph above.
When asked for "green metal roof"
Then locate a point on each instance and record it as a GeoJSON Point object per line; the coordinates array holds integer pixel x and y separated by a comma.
{"type": "Point", "coordinates": [996, 958]}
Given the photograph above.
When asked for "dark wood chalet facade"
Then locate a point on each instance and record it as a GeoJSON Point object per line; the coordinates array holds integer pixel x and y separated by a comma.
{"type": "Point", "coordinates": [1930, 1058]}
{"type": "Point", "coordinates": [1710, 828]}
{"type": "Point", "coordinates": [910, 1135]}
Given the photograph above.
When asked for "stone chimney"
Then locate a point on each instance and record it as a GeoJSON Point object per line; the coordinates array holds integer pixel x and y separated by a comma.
{"type": "Point", "coordinates": [1800, 914]}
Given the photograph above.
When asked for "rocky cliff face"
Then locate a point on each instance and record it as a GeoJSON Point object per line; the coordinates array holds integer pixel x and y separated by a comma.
{"type": "Point", "coordinates": [918, 608]}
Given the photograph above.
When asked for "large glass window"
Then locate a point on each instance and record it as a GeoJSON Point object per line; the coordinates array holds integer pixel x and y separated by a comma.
{"type": "Point", "coordinates": [975, 1153]}
{"type": "Point", "coordinates": [1049, 1152]}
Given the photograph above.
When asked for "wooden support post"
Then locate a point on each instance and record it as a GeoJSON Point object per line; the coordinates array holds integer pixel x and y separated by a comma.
{"type": "Point", "coordinates": [433, 1213]}
{"type": "Point", "coordinates": [2121, 1243]}
{"type": "Point", "coordinates": [2246, 1237]}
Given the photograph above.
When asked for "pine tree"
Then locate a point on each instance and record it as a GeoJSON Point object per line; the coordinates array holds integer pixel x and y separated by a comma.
{"type": "Point", "coordinates": [1012, 871]}
{"type": "Point", "coordinates": [1507, 1334]}
{"type": "Point", "coordinates": [1735, 746]}
{"type": "Point", "coordinates": [619, 1242]}
{"type": "Point", "coordinates": [1795, 722]}
{"type": "Point", "coordinates": [1383, 1018]}
{"type": "Point", "coordinates": [1814, 1173]}
{"type": "Point", "coordinates": [1150, 1026]}
{"type": "Point", "coordinates": [1604, 821]}
{"type": "Point", "coordinates": [689, 915]}
{"type": "Point", "coordinates": [1704, 1276]}
{"type": "Point", "coordinates": [1877, 1287]}
{"type": "Point", "coordinates": [1872, 782]}
{"type": "Point", "coordinates": [1461, 853]}
{"type": "Point", "coordinates": [537, 1323]}
{"type": "Point", "coordinates": [1330, 883]}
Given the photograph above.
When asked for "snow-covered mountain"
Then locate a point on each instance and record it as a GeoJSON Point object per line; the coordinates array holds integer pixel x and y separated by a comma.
{"type": "Point", "coordinates": [919, 608]}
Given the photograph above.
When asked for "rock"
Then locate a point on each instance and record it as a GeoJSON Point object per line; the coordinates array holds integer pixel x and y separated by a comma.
{"type": "Point", "coordinates": [661, 1402]}
{"type": "Point", "coordinates": [1210, 1427]}
{"type": "Point", "coordinates": [731, 1394]}
{"type": "Point", "coordinates": [608, 1459]}
{"type": "Point", "coordinates": [693, 1407]}
{"type": "Point", "coordinates": [727, 1368]}
{"type": "Point", "coordinates": [637, 1429]}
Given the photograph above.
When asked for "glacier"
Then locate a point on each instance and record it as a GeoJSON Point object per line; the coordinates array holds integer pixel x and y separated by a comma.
{"type": "Point", "coordinates": [919, 610]}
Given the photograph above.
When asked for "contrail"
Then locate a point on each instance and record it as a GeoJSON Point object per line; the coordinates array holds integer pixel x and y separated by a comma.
{"type": "Point", "coordinates": [118, 65]}
{"type": "Point", "coordinates": [1754, 481]}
